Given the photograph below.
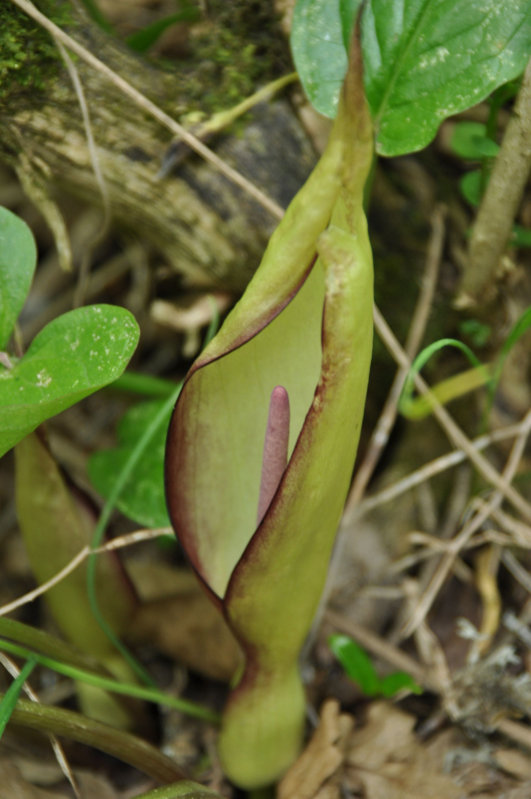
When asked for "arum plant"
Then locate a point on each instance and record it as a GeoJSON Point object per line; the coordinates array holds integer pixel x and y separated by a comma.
{"type": "Point", "coordinates": [263, 438]}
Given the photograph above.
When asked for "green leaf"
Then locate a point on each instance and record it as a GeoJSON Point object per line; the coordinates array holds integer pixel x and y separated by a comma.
{"type": "Point", "coordinates": [10, 698]}
{"type": "Point", "coordinates": [142, 498]}
{"type": "Point", "coordinates": [319, 49]}
{"type": "Point", "coordinates": [356, 662]}
{"type": "Point", "coordinates": [471, 187]}
{"type": "Point", "coordinates": [469, 140]}
{"type": "Point", "coordinates": [398, 681]}
{"type": "Point", "coordinates": [424, 60]}
{"type": "Point", "coordinates": [428, 59]}
{"type": "Point", "coordinates": [18, 258]}
{"type": "Point", "coordinates": [142, 40]}
{"type": "Point", "coordinates": [478, 332]}
{"type": "Point", "coordinates": [418, 407]}
{"type": "Point", "coordinates": [358, 666]}
{"type": "Point", "coordinates": [521, 236]}
{"type": "Point", "coordinates": [72, 357]}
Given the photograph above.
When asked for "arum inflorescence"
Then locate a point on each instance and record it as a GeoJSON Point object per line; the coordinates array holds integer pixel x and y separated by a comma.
{"type": "Point", "coordinates": [263, 438]}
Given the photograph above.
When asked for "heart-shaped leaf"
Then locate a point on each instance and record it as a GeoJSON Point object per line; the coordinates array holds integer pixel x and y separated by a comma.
{"type": "Point", "coordinates": [142, 498]}
{"type": "Point", "coordinates": [18, 257]}
{"type": "Point", "coordinates": [69, 359]}
{"type": "Point", "coordinates": [424, 60]}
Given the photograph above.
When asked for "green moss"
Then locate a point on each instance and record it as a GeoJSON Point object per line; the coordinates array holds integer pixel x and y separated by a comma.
{"type": "Point", "coordinates": [239, 47]}
{"type": "Point", "coordinates": [28, 56]}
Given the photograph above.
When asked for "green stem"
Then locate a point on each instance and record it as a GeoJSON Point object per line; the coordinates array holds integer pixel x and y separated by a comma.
{"type": "Point", "coordinates": [119, 744]}
{"type": "Point", "coordinates": [181, 790]}
{"type": "Point", "coordinates": [222, 119]}
{"type": "Point", "coordinates": [47, 644]}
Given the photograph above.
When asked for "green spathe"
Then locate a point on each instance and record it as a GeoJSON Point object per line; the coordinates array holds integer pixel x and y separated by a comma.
{"type": "Point", "coordinates": [55, 525]}
{"type": "Point", "coordinates": [304, 323]}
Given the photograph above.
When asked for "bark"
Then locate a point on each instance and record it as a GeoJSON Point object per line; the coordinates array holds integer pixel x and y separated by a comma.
{"type": "Point", "coordinates": [207, 229]}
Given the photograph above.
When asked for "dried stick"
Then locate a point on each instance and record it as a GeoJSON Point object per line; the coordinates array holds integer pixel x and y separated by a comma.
{"type": "Point", "coordinates": [501, 199]}
{"type": "Point", "coordinates": [460, 540]}
{"type": "Point", "coordinates": [520, 532]}
{"type": "Point", "coordinates": [117, 543]}
{"type": "Point", "coordinates": [513, 565]}
{"type": "Point", "coordinates": [429, 470]}
{"type": "Point", "coordinates": [517, 732]}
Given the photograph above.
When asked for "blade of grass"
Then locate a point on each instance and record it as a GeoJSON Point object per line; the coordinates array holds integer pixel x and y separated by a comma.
{"type": "Point", "coordinates": [109, 684]}
{"type": "Point", "coordinates": [11, 696]}
{"type": "Point", "coordinates": [407, 402]}
{"type": "Point", "coordinates": [99, 531]}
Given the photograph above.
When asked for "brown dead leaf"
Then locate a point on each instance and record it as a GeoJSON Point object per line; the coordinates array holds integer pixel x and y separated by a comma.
{"type": "Point", "coordinates": [311, 776]}
{"type": "Point", "coordinates": [390, 762]}
{"type": "Point", "coordinates": [387, 760]}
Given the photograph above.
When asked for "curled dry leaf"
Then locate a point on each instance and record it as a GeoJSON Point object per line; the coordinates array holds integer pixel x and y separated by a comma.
{"type": "Point", "coordinates": [312, 776]}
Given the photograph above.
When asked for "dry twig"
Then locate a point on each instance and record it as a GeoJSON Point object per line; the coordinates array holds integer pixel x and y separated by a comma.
{"type": "Point", "coordinates": [452, 430]}
{"type": "Point", "coordinates": [467, 531]}
{"type": "Point", "coordinates": [117, 543]}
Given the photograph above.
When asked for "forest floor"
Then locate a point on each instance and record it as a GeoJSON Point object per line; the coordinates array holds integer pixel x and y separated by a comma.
{"type": "Point", "coordinates": [431, 573]}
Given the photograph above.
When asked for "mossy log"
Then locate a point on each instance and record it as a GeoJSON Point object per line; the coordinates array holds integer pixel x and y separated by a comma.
{"type": "Point", "coordinates": [208, 230]}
